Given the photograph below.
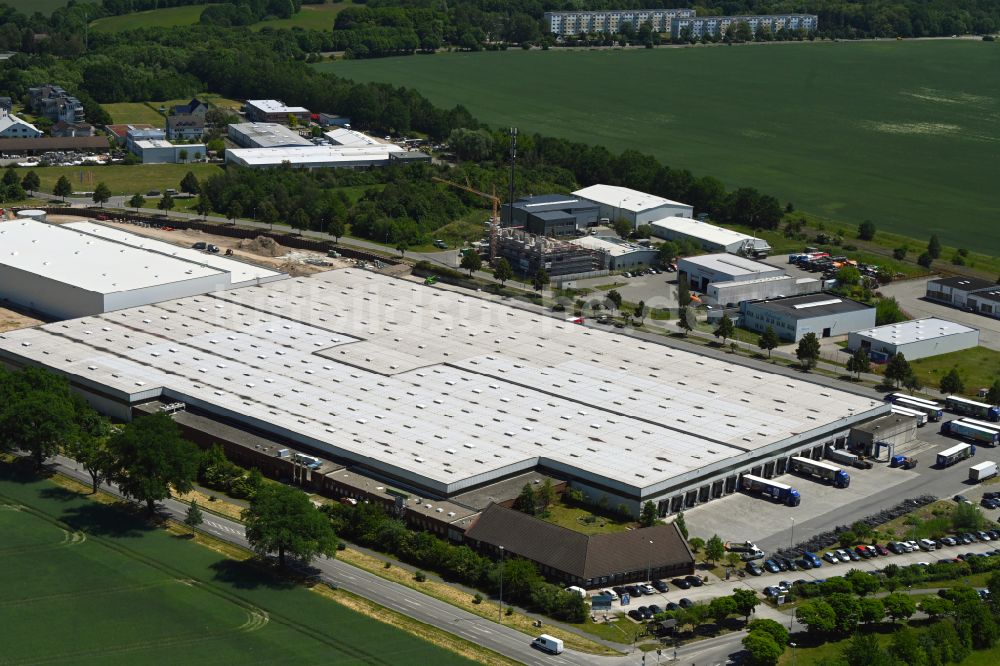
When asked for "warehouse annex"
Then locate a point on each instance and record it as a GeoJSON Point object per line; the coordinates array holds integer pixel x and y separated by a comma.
{"type": "Point", "coordinates": [443, 392]}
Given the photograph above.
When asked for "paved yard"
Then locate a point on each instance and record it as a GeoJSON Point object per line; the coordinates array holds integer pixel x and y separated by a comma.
{"type": "Point", "coordinates": [910, 294]}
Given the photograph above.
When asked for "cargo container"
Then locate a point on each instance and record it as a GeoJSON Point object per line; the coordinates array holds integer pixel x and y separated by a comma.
{"type": "Point", "coordinates": [781, 492]}
{"type": "Point", "coordinates": [982, 471]}
{"type": "Point", "coordinates": [966, 407]}
{"type": "Point", "coordinates": [954, 454]}
{"type": "Point", "coordinates": [821, 470]}
{"type": "Point", "coordinates": [968, 431]}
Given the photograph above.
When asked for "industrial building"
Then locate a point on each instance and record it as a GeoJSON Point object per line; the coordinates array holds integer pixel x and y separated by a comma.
{"type": "Point", "coordinates": [46, 144]}
{"type": "Point", "coordinates": [265, 135]}
{"type": "Point", "coordinates": [986, 302]}
{"type": "Point", "coordinates": [706, 269]}
{"type": "Point", "coordinates": [79, 269]}
{"type": "Point", "coordinates": [573, 23]}
{"type": "Point", "coordinates": [691, 27]}
{"type": "Point", "coordinates": [618, 255]}
{"type": "Point", "coordinates": [890, 431]}
{"type": "Point", "coordinates": [55, 103]}
{"type": "Point", "coordinates": [551, 214]}
{"type": "Point", "coordinates": [732, 293]}
{"type": "Point", "coordinates": [955, 290]}
{"type": "Point", "coordinates": [440, 393]}
{"type": "Point", "coordinates": [622, 203]}
{"type": "Point", "coordinates": [527, 253]}
{"type": "Point", "coordinates": [323, 157]}
{"type": "Point", "coordinates": [915, 339]}
{"type": "Point", "coordinates": [710, 237]}
{"type": "Point", "coordinates": [12, 127]}
{"type": "Point", "coordinates": [344, 136]}
{"type": "Point", "coordinates": [161, 151]}
{"type": "Point", "coordinates": [273, 111]}
{"type": "Point", "coordinates": [823, 314]}
{"type": "Point", "coordinates": [185, 127]}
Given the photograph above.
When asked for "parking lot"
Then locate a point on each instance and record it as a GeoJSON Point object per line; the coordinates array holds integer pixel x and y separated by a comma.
{"type": "Point", "coordinates": [657, 290]}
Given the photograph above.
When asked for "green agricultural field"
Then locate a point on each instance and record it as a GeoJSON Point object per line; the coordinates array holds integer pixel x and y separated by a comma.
{"type": "Point", "coordinates": [312, 17]}
{"type": "Point", "coordinates": [29, 7]}
{"type": "Point", "coordinates": [905, 133]}
{"type": "Point", "coordinates": [154, 18]}
{"type": "Point", "coordinates": [121, 178]}
{"type": "Point", "coordinates": [131, 113]}
{"type": "Point", "coordinates": [85, 583]}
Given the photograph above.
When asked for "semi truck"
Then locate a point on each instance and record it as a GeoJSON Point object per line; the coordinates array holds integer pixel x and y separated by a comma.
{"type": "Point", "coordinates": [921, 417]}
{"type": "Point", "coordinates": [847, 458]}
{"type": "Point", "coordinates": [932, 409]}
{"type": "Point", "coordinates": [971, 432]}
{"type": "Point", "coordinates": [756, 485]}
{"type": "Point", "coordinates": [982, 471]}
{"type": "Point", "coordinates": [954, 454]}
{"type": "Point", "coordinates": [966, 407]}
{"type": "Point", "coordinates": [821, 470]}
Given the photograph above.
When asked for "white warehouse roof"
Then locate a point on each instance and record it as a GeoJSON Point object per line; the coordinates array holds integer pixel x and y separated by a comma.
{"type": "Point", "coordinates": [613, 246]}
{"type": "Point", "coordinates": [702, 230]}
{"type": "Point", "coordinates": [918, 329]}
{"type": "Point", "coordinates": [274, 106]}
{"type": "Point", "coordinates": [438, 387]}
{"type": "Point", "coordinates": [625, 198]}
{"type": "Point", "coordinates": [71, 256]}
{"type": "Point", "coordinates": [240, 271]}
{"type": "Point", "coordinates": [314, 155]}
{"type": "Point", "coordinates": [733, 265]}
{"type": "Point", "coordinates": [348, 137]}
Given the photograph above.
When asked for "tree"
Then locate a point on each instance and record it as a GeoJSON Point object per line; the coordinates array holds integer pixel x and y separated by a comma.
{"type": "Point", "coordinates": [546, 495]}
{"type": "Point", "coordinates": [721, 607]}
{"type": "Point", "coordinates": [38, 421]}
{"type": "Point", "coordinates": [975, 619]}
{"type": "Point", "coordinates": [808, 351]}
{"type": "Point", "coordinates": [777, 631]}
{"type": "Point", "coordinates": [102, 193]}
{"type": "Point", "coordinates": [936, 607]}
{"type": "Point", "coordinates": [696, 543]}
{"type": "Point", "coordinates": [89, 447]}
{"type": "Point", "coordinates": [746, 601]}
{"type": "Point", "coordinates": [911, 382]}
{"type": "Point", "coordinates": [193, 517]}
{"type": "Point", "coordinates": [687, 320]}
{"type": "Point", "coordinates": [870, 610]}
{"type": "Point", "coordinates": [925, 259]}
{"type": "Point", "coordinates": [149, 456]}
{"type": "Point", "coordinates": [31, 182]}
{"type": "Point", "coordinates": [502, 271]}
{"type": "Point", "coordinates": [63, 188]}
{"type": "Point", "coordinates": [622, 227]}
{"type": "Point", "coordinates": [647, 518]}
{"type": "Point", "coordinates": [681, 524]}
{"type": "Point", "coordinates": [862, 583]}
{"type": "Point", "coordinates": [993, 395]}
{"type": "Point", "coordinates": [471, 261]}
{"type": "Point", "coordinates": [967, 517]}
{"type": "Point", "coordinates": [683, 291]}
{"type": "Point", "coordinates": [725, 328]}
{"type": "Point", "coordinates": [615, 298]}
{"type": "Point", "coordinates": [817, 615]}
{"type": "Point", "coordinates": [666, 253]}
{"type": "Point", "coordinates": [899, 606]}
{"type": "Point", "coordinates": [190, 184]}
{"type": "Point", "coordinates": [527, 501]}
{"type": "Point", "coordinates": [166, 203]}
{"type": "Point", "coordinates": [864, 650]}
{"type": "Point", "coordinates": [934, 247]}
{"type": "Point", "coordinates": [846, 611]}
{"type": "Point", "coordinates": [887, 311]}
{"type": "Point", "coordinates": [897, 368]}
{"type": "Point", "coordinates": [540, 280]}
{"type": "Point", "coordinates": [204, 206]}
{"type": "Point", "coordinates": [402, 247]}
{"type": "Point", "coordinates": [859, 362]}
{"type": "Point", "coordinates": [234, 211]}
{"type": "Point", "coordinates": [899, 253]}
{"type": "Point", "coordinates": [640, 312]}
{"type": "Point", "coordinates": [300, 222]}
{"type": "Point", "coordinates": [952, 382]}
{"type": "Point", "coordinates": [866, 230]}
{"type": "Point", "coordinates": [768, 340]}
{"type": "Point", "coordinates": [848, 276]}
{"type": "Point", "coordinates": [715, 549]}
{"type": "Point", "coordinates": [644, 231]}
{"type": "Point", "coordinates": [337, 228]}
{"type": "Point", "coordinates": [137, 201]}
{"type": "Point", "coordinates": [282, 518]}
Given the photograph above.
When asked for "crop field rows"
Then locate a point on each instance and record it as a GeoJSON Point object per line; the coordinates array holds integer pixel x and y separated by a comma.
{"type": "Point", "coordinates": [905, 134]}
{"type": "Point", "coordinates": [115, 591]}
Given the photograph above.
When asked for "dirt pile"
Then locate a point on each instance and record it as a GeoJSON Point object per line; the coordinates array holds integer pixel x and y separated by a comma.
{"type": "Point", "coordinates": [262, 245]}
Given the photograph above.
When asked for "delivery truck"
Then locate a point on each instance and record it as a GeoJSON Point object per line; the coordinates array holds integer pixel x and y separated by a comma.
{"type": "Point", "coordinates": [820, 470]}
{"type": "Point", "coordinates": [954, 454]}
{"type": "Point", "coordinates": [970, 432]}
{"type": "Point", "coordinates": [549, 644]}
{"type": "Point", "coordinates": [847, 458]}
{"type": "Point", "coordinates": [982, 471]}
{"type": "Point", "coordinates": [756, 485]}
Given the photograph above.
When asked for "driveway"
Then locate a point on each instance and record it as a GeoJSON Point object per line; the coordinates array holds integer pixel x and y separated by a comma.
{"type": "Point", "coordinates": [910, 294]}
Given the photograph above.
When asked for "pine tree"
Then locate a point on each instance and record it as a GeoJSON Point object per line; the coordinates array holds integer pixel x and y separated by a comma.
{"type": "Point", "coordinates": [648, 516]}
{"type": "Point", "coordinates": [952, 382]}
{"type": "Point", "coordinates": [808, 351]}
{"type": "Point", "coordinates": [686, 321]}
{"type": "Point", "coordinates": [897, 368]}
{"type": "Point", "coordinates": [193, 517]}
{"type": "Point", "coordinates": [725, 328]}
{"type": "Point", "coordinates": [526, 502]}
{"type": "Point", "coordinates": [63, 188]}
{"type": "Point", "coordinates": [681, 525]}
{"type": "Point", "coordinates": [934, 247]}
{"type": "Point", "coordinates": [768, 340]}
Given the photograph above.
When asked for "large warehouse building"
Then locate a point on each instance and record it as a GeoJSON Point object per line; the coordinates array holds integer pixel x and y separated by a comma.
{"type": "Point", "coordinates": [441, 392]}
{"type": "Point", "coordinates": [551, 214]}
{"type": "Point", "coordinates": [710, 237]}
{"type": "Point", "coordinates": [791, 318]}
{"type": "Point", "coordinates": [632, 205]}
{"type": "Point", "coordinates": [67, 271]}
{"type": "Point", "coordinates": [706, 269]}
{"type": "Point", "coordinates": [955, 290]}
{"type": "Point", "coordinates": [322, 157]}
{"type": "Point", "coordinates": [265, 135]}
{"type": "Point", "coordinates": [915, 339]}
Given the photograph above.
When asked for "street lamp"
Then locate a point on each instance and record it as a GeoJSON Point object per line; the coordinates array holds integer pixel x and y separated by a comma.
{"type": "Point", "coordinates": [649, 562]}
{"type": "Point", "coordinates": [791, 538]}
{"type": "Point", "coordinates": [793, 653]}
{"type": "Point", "coordinates": [500, 609]}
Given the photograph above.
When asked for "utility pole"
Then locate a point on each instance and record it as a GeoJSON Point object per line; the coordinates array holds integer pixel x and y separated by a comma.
{"type": "Point", "coordinates": [500, 609]}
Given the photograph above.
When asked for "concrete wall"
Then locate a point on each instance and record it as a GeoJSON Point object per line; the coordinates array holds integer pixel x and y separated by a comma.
{"type": "Point", "coordinates": [56, 299]}
{"type": "Point", "coordinates": [726, 293]}
{"type": "Point", "coordinates": [985, 306]}
{"type": "Point", "coordinates": [699, 276]}
{"type": "Point", "coordinates": [633, 259]}
{"type": "Point", "coordinates": [120, 300]}
{"type": "Point", "coordinates": [894, 429]}
{"type": "Point", "coordinates": [920, 348]}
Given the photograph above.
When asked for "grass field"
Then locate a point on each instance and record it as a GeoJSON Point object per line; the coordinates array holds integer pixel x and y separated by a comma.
{"type": "Point", "coordinates": [978, 367]}
{"type": "Point", "coordinates": [902, 133]}
{"type": "Point", "coordinates": [121, 179]}
{"type": "Point", "coordinates": [29, 7]}
{"type": "Point", "coordinates": [312, 17]}
{"type": "Point", "coordinates": [88, 584]}
{"type": "Point", "coordinates": [131, 113]}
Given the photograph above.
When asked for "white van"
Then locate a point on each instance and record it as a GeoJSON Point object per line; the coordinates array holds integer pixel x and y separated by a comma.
{"type": "Point", "coordinates": [548, 643]}
{"type": "Point", "coordinates": [927, 544]}
{"type": "Point", "coordinates": [578, 591]}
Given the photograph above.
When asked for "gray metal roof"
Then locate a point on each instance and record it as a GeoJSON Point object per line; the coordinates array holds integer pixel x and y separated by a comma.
{"type": "Point", "coordinates": [962, 283]}
{"type": "Point", "coordinates": [810, 306]}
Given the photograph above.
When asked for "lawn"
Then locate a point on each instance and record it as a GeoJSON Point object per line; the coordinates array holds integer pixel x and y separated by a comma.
{"type": "Point", "coordinates": [88, 583]}
{"type": "Point", "coordinates": [979, 368]}
{"type": "Point", "coordinates": [312, 17]}
{"type": "Point", "coordinates": [579, 519]}
{"type": "Point", "coordinates": [29, 7]}
{"type": "Point", "coordinates": [154, 18]}
{"type": "Point", "coordinates": [902, 133]}
{"type": "Point", "coordinates": [122, 179]}
{"type": "Point", "coordinates": [131, 113]}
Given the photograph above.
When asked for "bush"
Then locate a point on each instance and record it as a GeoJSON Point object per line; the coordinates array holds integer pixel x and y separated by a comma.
{"type": "Point", "coordinates": [925, 260]}
{"type": "Point", "coordinates": [420, 576]}
{"type": "Point", "coordinates": [478, 599]}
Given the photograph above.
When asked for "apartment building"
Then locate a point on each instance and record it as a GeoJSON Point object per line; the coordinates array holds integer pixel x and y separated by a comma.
{"type": "Point", "coordinates": [575, 23]}
{"type": "Point", "coordinates": [717, 25]}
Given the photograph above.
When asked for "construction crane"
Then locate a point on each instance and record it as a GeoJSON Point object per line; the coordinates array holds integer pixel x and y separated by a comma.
{"type": "Point", "coordinates": [494, 219]}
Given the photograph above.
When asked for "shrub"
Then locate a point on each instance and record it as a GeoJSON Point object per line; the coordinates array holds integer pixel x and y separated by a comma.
{"type": "Point", "coordinates": [478, 599]}
{"type": "Point", "coordinates": [420, 576]}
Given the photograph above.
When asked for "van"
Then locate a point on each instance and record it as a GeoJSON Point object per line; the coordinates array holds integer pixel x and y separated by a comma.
{"type": "Point", "coordinates": [548, 643]}
{"type": "Point", "coordinates": [579, 591]}
{"type": "Point", "coordinates": [927, 544]}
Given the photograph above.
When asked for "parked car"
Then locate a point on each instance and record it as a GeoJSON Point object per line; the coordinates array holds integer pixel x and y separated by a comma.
{"type": "Point", "coordinates": [633, 591]}
{"type": "Point", "coordinates": [983, 536]}
{"type": "Point", "coordinates": [681, 583]}
{"type": "Point", "coordinates": [671, 606]}
{"type": "Point", "coordinates": [648, 589]}
{"type": "Point", "coordinates": [962, 499]}
{"type": "Point", "coordinates": [635, 615]}
{"type": "Point", "coordinates": [200, 245]}
{"type": "Point", "coordinates": [620, 590]}
{"type": "Point", "coordinates": [610, 593]}
{"type": "Point", "coordinates": [686, 603]}
{"type": "Point", "coordinates": [771, 591]}
{"type": "Point", "coordinates": [654, 609]}
{"type": "Point", "coordinates": [647, 614]}
{"type": "Point", "coordinates": [948, 541]}
{"type": "Point", "coordinates": [803, 564]}
{"type": "Point", "coordinates": [862, 551]}
{"type": "Point", "coordinates": [881, 550]}
{"type": "Point", "coordinates": [694, 580]}
{"type": "Point", "coordinates": [753, 569]}
{"type": "Point", "coordinates": [214, 249]}
{"type": "Point", "coordinates": [771, 566]}
{"type": "Point", "coordinates": [660, 586]}
{"type": "Point", "coordinates": [831, 557]}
